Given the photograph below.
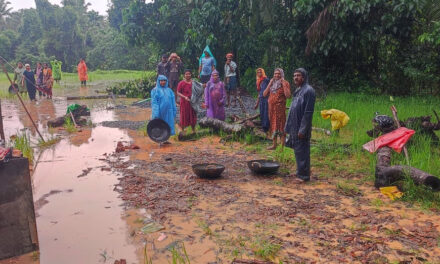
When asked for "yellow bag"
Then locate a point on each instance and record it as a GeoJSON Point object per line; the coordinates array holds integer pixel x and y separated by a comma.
{"type": "Point", "coordinates": [391, 191]}
{"type": "Point", "coordinates": [339, 119]}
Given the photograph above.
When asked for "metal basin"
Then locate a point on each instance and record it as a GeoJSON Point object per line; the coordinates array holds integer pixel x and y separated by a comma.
{"type": "Point", "coordinates": [263, 166]}
{"type": "Point", "coordinates": [13, 89]}
{"type": "Point", "coordinates": [158, 130]}
{"type": "Point", "coordinates": [208, 170]}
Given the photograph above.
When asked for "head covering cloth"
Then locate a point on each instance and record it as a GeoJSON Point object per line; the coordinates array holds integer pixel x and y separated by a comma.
{"type": "Point", "coordinates": [229, 55]}
{"type": "Point", "coordinates": [260, 79]}
{"type": "Point", "coordinates": [276, 84]}
{"type": "Point", "coordinates": [161, 78]}
{"type": "Point", "coordinates": [210, 54]}
{"type": "Point", "coordinates": [304, 74]}
{"type": "Point", "coordinates": [212, 77]}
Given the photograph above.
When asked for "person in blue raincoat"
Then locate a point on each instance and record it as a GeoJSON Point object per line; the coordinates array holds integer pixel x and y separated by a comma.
{"type": "Point", "coordinates": [207, 65]}
{"type": "Point", "coordinates": [163, 103]}
{"type": "Point", "coordinates": [299, 124]}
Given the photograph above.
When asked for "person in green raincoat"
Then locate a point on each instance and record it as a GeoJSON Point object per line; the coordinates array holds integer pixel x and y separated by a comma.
{"type": "Point", "coordinates": [19, 79]}
{"type": "Point", "coordinates": [56, 70]}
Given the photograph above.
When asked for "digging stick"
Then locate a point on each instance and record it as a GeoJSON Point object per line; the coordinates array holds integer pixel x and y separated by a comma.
{"type": "Point", "coordinates": [73, 118]}
{"type": "Point", "coordinates": [22, 103]}
{"type": "Point", "coordinates": [396, 120]}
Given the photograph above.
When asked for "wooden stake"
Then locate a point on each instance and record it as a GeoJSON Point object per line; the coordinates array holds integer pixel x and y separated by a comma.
{"type": "Point", "coordinates": [73, 119]}
{"type": "Point", "coordinates": [396, 120]}
{"type": "Point", "coordinates": [22, 103]}
{"type": "Point", "coordinates": [2, 132]}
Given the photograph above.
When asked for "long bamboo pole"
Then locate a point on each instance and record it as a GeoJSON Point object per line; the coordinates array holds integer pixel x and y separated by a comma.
{"type": "Point", "coordinates": [2, 132]}
{"type": "Point", "coordinates": [22, 103]}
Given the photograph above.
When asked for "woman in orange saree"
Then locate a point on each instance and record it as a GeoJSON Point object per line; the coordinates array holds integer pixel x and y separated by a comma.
{"type": "Point", "coordinates": [82, 72]}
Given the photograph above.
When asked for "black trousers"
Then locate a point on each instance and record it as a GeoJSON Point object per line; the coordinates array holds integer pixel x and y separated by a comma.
{"type": "Point", "coordinates": [301, 148]}
{"type": "Point", "coordinates": [31, 91]}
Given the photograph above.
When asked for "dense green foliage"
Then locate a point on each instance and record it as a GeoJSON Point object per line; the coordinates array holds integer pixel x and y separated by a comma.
{"type": "Point", "coordinates": [67, 33]}
{"type": "Point", "coordinates": [138, 88]}
{"type": "Point", "coordinates": [373, 46]}
{"type": "Point", "coordinates": [349, 45]}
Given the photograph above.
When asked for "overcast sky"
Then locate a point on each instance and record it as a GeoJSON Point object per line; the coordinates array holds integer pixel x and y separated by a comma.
{"type": "Point", "coordinates": [97, 5]}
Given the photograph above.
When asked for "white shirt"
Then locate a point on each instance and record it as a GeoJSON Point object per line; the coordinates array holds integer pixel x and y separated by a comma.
{"type": "Point", "coordinates": [228, 72]}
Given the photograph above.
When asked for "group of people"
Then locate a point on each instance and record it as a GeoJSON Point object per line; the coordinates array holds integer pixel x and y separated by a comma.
{"type": "Point", "coordinates": [40, 79]}
{"type": "Point", "coordinates": [272, 97]}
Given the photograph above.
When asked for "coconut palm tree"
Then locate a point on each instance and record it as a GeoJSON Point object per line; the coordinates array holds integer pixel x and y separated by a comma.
{"type": "Point", "coordinates": [5, 11]}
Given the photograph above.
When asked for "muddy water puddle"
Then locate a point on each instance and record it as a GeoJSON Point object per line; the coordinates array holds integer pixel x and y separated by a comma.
{"type": "Point", "coordinates": [80, 218]}
{"type": "Point", "coordinates": [81, 223]}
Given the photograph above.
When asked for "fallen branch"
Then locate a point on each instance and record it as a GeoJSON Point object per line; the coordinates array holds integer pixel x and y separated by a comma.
{"type": "Point", "coordinates": [216, 124]}
{"type": "Point", "coordinates": [251, 118]}
{"type": "Point", "coordinates": [387, 175]}
{"type": "Point", "coordinates": [90, 97]}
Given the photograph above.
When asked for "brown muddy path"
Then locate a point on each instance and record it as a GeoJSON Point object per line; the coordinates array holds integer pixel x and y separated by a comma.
{"type": "Point", "coordinates": [243, 216]}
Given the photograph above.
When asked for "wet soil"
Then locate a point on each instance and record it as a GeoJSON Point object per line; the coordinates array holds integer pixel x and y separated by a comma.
{"type": "Point", "coordinates": [235, 215]}
{"type": "Point", "coordinates": [99, 217]}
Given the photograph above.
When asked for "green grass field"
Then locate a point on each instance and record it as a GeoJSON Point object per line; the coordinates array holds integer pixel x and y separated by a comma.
{"type": "Point", "coordinates": [332, 159]}
{"type": "Point", "coordinates": [72, 78]}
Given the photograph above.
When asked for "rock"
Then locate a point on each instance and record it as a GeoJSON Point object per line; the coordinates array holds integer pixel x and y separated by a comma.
{"type": "Point", "coordinates": [120, 147]}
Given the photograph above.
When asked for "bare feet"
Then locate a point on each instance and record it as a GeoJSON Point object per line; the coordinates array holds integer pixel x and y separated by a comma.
{"type": "Point", "coordinates": [298, 181]}
{"type": "Point", "coordinates": [272, 147]}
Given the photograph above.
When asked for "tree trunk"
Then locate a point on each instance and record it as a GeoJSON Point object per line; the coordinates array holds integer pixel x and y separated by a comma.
{"type": "Point", "coordinates": [216, 124]}
{"type": "Point", "coordinates": [386, 175]}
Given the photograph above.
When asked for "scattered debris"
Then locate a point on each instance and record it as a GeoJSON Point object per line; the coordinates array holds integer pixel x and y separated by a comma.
{"type": "Point", "coordinates": [125, 124]}
{"type": "Point", "coordinates": [77, 112]}
{"type": "Point", "coordinates": [162, 237]}
{"type": "Point", "coordinates": [391, 192]}
{"type": "Point", "coordinates": [85, 172]}
{"type": "Point", "coordinates": [121, 148]}
{"type": "Point", "coordinates": [151, 227]}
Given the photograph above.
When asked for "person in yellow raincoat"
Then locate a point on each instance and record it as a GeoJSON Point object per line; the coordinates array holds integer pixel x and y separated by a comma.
{"type": "Point", "coordinates": [338, 118]}
{"type": "Point", "coordinates": [82, 72]}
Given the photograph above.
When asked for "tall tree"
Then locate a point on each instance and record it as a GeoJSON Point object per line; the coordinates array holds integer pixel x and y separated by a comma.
{"type": "Point", "coordinates": [5, 11]}
{"type": "Point", "coordinates": [115, 12]}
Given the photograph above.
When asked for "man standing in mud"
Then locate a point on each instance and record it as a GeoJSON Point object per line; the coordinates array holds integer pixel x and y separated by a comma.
{"type": "Point", "coordinates": [299, 124]}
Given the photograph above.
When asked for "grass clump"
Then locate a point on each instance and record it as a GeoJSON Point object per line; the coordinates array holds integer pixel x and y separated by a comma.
{"type": "Point", "coordinates": [179, 255]}
{"type": "Point", "coordinates": [35, 256]}
{"type": "Point", "coordinates": [147, 259]}
{"type": "Point", "coordinates": [265, 249]}
{"type": "Point", "coordinates": [69, 126]}
{"type": "Point", "coordinates": [22, 142]}
{"type": "Point", "coordinates": [205, 227]}
{"type": "Point", "coordinates": [48, 142]}
{"type": "Point", "coordinates": [348, 189]}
